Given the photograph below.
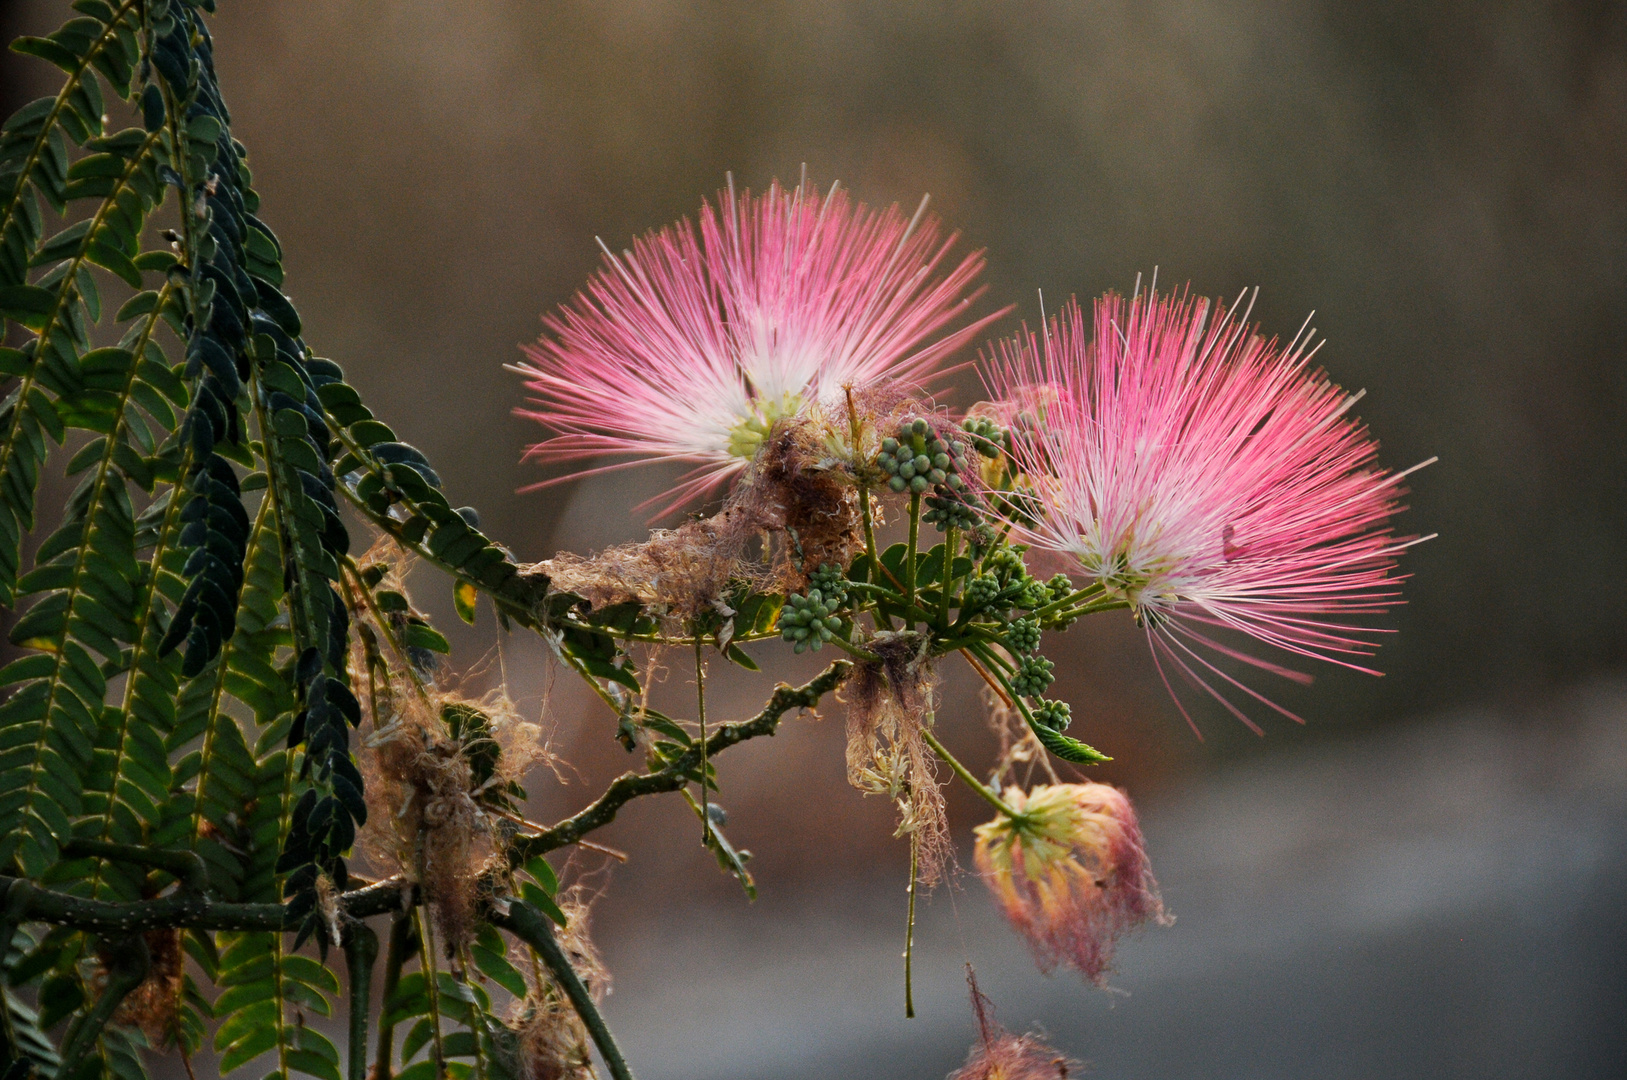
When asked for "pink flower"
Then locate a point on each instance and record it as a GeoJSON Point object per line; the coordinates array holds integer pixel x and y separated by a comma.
{"type": "Point", "coordinates": [1071, 873]}
{"type": "Point", "coordinates": [1205, 477]}
{"type": "Point", "coordinates": [690, 346]}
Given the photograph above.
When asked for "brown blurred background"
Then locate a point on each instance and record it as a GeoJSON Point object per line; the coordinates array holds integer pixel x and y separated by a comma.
{"type": "Point", "coordinates": [1445, 184]}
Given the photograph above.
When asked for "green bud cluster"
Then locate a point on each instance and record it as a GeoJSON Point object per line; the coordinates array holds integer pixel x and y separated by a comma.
{"type": "Point", "coordinates": [988, 438]}
{"type": "Point", "coordinates": [1006, 564]}
{"type": "Point", "coordinates": [982, 590]}
{"type": "Point", "coordinates": [1060, 587]}
{"type": "Point", "coordinates": [809, 621]}
{"type": "Point", "coordinates": [1032, 595]}
{"type": "Point", "coordinates": [1005, 583]}
{"type": "Point", "coordinates": [1022, 635]}
{"type": "Point", "coordinates": [948, 508]}
{"type": "Point", "coordinates": [831, 582]}
{"type": "Point", "coordinates": [1055, 715]}
{"type": "Point", "coordinates": [979, 539]}
{"type": "Point", "coordinates": [917, 459]}
{"type": "Point", "coordinates": [1033, 676]}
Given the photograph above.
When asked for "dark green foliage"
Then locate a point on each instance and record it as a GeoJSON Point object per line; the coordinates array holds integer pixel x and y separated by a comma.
{"type": "Point", "coordinates": [168, 566]}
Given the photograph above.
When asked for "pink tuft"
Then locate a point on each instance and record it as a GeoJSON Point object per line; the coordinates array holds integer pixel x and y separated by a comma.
{"type": "Point", "coordinates": [1206, 476]}
{"type": "Point", "coordinates": [773, 303]}
{"type": "Point", "coordinates": [1000, 1055]}
{"type": "Point", "coordinates": [1075, 877]}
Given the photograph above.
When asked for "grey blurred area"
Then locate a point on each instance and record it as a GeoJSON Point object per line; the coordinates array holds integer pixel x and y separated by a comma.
{"type": "Point", "coordinates": [1426, 880]}
{"type": "Point", "coordinates": [1440, 903]}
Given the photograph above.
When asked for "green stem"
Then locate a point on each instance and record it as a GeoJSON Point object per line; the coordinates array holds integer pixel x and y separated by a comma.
{"type": "Point", "coordinates": [864, 486]}
{"type": "Point", "coordinates": [909, 931]}
{"type": "Point", "coordinates": [700, 710]}
{"type": "Point", "coordinates": [971, 781]}
{"type": "Point", "coordinates": [482, 1033]}
{"type": "Point", "coordinates": [854, 651]}
{"type": "Point", "coordinates": [401, 931]}
{"type": "Point", "coordinates": [998, 669]}
{"type": "Point", "coordinates": [994, 660]}
{"type": "Point", "coordinates": [361, 950]}
{"type": "Point", "coordinates": [186, 866]}
{"type": "Point", "coordinates": [126, 969]}
{"type": "Point", "coordinates": [951, 540]}
{"type": "Point", "coordinates": [531, 926]}
{"type": "Point", "coordinates": [359, 586]}
{"type": "Point", "coordinates": [179, 909]}
{"type": "Point", "coordinates": [909, 557]}
{"type": "Point", "coordinates": [1091, 609]}
{"type": "Point", "coordinates": [432, 988]}
{"type": "Point", "coordinates": [1072, 598]}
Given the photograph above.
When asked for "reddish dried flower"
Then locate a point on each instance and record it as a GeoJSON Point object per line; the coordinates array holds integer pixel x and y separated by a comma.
{"type": "Point", "coordinates": [1071, 872]}
{"type": "Point", "coordinates": [690, 346]}
{"type": "Point", "coordinates": [1000, 1055]}
{"type": "Point", "coordinates": [1206, 477]}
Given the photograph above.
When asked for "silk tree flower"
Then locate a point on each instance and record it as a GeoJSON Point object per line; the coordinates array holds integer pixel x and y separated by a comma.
{"type": "Point", "coordinates": [1071, 873]}
{"type": "Point", "coordinates": [1000, 1055]}
{"type": "Point", "coordinates": [1208, 478]}
{"type": "Point", "coordinates": [693, 344]}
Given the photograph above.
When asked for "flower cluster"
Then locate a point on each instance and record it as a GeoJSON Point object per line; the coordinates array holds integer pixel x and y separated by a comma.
{"type": "Point", "coordinates": [692, 346]}
{"type": "Point", "coordinates": [1204, 477]}
{"type": "Point", "coordinates": [1175, 461]}
{"type": "Point", "coordinates": [1071, 872]}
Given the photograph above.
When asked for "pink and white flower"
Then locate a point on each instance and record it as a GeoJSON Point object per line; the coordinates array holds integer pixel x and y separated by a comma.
{"type": "Point", "coordinates": [1206, 477]}
{"type": "Point", "coordinates": [693, 344]}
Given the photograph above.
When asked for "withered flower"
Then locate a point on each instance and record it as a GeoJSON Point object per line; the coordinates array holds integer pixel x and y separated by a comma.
{"type": "Point", "coordinates": [1071, 872]}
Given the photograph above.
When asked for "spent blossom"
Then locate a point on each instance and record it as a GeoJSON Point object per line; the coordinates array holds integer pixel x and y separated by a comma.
{"type": "Point", "coordinates": [1071, 873]}
{"type": "Point", "coordinates": [1000, 1055]}
{"type": "Point", "coordinates": [1207, 478]}
{"type": "Point", "coordinates": [690, 346]}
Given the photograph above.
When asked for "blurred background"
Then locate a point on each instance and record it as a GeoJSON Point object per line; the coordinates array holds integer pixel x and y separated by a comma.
{"type": "Point", "coordinates": [1428, 879]}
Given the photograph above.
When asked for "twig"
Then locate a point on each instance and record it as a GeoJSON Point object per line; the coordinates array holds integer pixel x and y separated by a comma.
{"type": "Point", "coordinates": [126, 969]}
{"type": "Point", "coordinates": [361, 950]}
{"type": "Point", "coordinates": [700, 709]}
{"type": "Point", "coordinates": [619, 856]}
{"type": "Point", "coordinates": [187, 866]}
{"type": "Point", "coordinates": [178, 910]}
{"type": "Point", "coordinates": [631, 785]}
{"type": "Point", "coordinates": [531, 926]}
{"type": "Point", "coordinates": [401, 931]}
{"type": "Point", "coordinates": [909, 930]}
{"type": "Point", "coordinates": [971, 781]}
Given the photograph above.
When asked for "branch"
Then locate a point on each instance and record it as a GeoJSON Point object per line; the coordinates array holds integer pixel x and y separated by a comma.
{"type": "Point", "coordinates": [531, 926]}
{"type": "Point", "coordinates": [186, 866]}
{"type": "Point", "coordinates": [402, 943]}
{"type": "Point", "coordinates": [126, 969]}
{"type": "Point", "coordinates": [631, 785]}
{"type": "Point", "coordinates": [28, 902]}
{"type": "Point", "coordinates": [361, 949]}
